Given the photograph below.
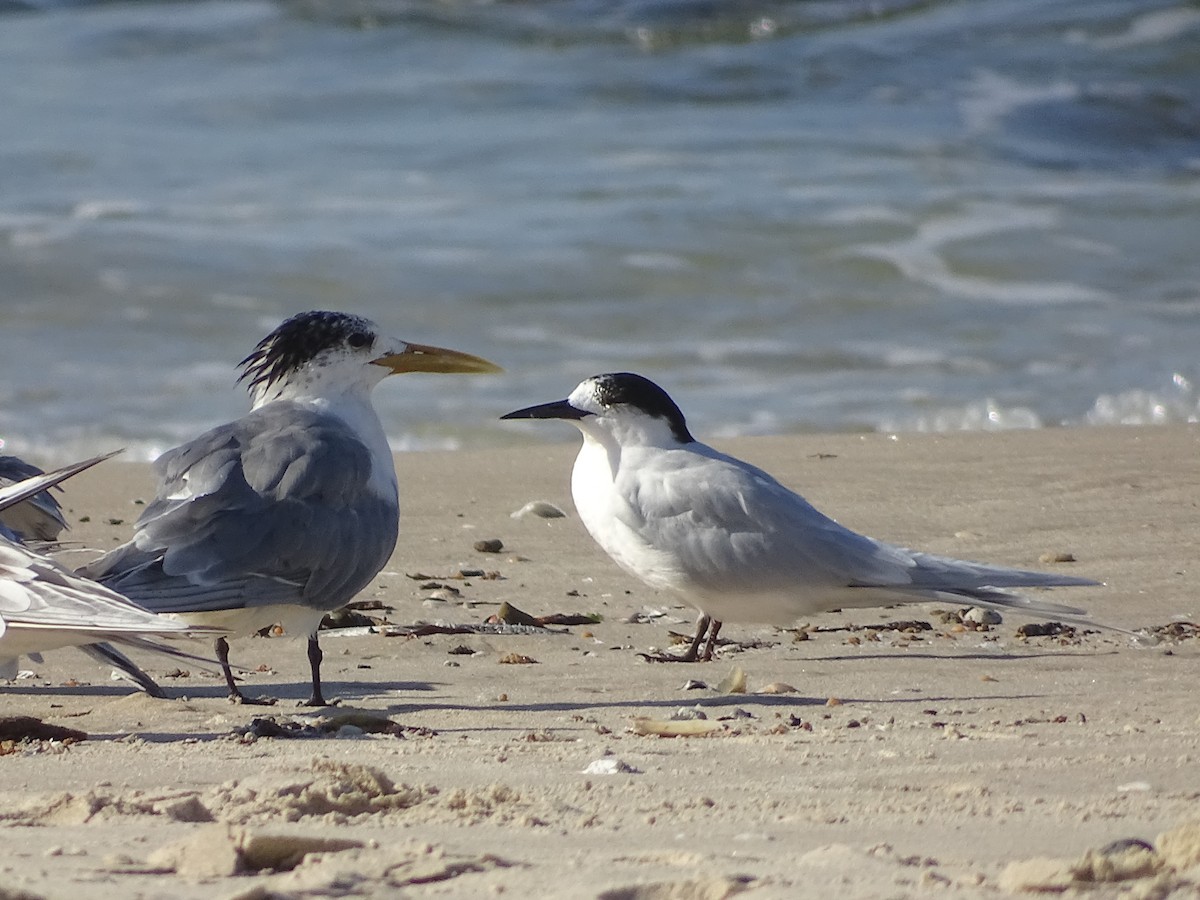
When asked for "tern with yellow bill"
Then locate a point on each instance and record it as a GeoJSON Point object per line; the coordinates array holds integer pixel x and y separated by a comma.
{"type": "Point", "coordinates": [286, 513]}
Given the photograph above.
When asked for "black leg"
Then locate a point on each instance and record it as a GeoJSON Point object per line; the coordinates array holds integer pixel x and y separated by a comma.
{"type": "Point", "coordinates": [221, 647]}
{"type": "Point", "coordinates": [235, 696]}
{"type": "Point", "coordinates": [314, 660]}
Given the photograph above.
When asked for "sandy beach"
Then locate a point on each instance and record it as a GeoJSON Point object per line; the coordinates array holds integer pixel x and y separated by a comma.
{"type": "Point", "coordinates": [858, 761]}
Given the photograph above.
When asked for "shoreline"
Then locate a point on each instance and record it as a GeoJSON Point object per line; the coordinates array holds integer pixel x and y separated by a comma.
{"type": "Point", "coordinates": [880, 762]}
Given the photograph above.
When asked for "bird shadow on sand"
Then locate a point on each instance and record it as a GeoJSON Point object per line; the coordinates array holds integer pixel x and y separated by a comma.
{"type": "Point", "coordinates": [714, 704]}
{"type": "Point", "coordinates": [26, 689]}
{"type": "Point", "coordinates": [287, 695]}
{"type": "Point", "coordinates": [904, 656]}
{"type": "Point", "coordinates": [722, 700]}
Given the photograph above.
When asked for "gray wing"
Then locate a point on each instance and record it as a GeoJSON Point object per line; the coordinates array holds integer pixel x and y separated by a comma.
{"type": "Point", "coordinates": [730, 524]}
{"type": "Point", "coordinates": [40, 517]}
{"type": "Point", "coordinates": [272, 508]}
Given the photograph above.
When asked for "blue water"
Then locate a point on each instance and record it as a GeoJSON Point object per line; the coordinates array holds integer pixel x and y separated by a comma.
{"type": "Point", "coordinates": [795, 216]}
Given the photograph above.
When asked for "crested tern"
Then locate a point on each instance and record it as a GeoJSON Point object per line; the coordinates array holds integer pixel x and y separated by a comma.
{"type": "Point", "coordinates": [44, 606]}
{"type": "Point", "coordinates": [286, 513]}
{"type": "Point", "coordinates": [732, 541]}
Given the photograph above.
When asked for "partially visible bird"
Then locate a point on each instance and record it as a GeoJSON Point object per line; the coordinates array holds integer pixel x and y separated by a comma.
{"type": "Point", "coordinates": [40, 517]}
{"type": "Point", "coordinates": [732, 541]}
{"type": "Point", "coordinates": [19, 491]}
{"type": "Point", "coordinates": [44, 606]}
{"type": "Point", "coordinates": [285, 514]}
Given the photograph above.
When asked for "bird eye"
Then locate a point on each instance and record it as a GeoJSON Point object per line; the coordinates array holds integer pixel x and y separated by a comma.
{"type": "Point", "coordinates": [358, 339]}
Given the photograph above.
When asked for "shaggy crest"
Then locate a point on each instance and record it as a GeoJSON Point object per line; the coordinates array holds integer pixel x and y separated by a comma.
{"type": "Point", "coordinates": [300, 340]}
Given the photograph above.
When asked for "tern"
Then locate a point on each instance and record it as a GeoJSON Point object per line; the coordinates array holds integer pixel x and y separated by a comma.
{"type": "Point", "coordinates": [38, 518]}
{"type": "Point", "coordinates": [286, 513]}
{"type": "Point", "coordinates": [732, 541]}
{"type": "Point", "coordinates": [44, 606]}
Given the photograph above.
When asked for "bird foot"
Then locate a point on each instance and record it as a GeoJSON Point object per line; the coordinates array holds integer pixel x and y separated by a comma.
{"type": "Point", "coordinates": [317, 700]}
{"type": "Point", "coordinates": [240, 699]}
{"type": "Point", "coordinates": [670, 658]}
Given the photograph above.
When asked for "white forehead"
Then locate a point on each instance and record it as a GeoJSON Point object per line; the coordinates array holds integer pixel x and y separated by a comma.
{"type": "Point", "coordinates": [584, 396]}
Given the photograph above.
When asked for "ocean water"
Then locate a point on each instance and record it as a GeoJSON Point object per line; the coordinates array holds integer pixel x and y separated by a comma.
{"type": "Point", "coordinates": [795, 216]}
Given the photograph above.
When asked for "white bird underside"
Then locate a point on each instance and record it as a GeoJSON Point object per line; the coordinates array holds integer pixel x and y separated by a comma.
{"type": "Point", "coordinates": [296, 621]}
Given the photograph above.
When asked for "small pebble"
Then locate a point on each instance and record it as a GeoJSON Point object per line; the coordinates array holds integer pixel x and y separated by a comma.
{"type": "Point", "coordinates": [687, 713]}
{"type": "Point", "coordinates": [1124, 845]}
{"type": "Point", "coordinates": [491, 545]}
{"type": "Point", "coordinates": [543, 509]}
{"type": "Point", "coordinates": [1132, 787]}
{"type": "Point", "coordinates": [1042, 629]}
{"type": "Point", "coordinates": [776, 687]}
{"type": "Point", "coordinates": [1057, 557]}
{"type": "Point", "coordinates": [517, 659]}
{"type": "Point", "coordinates": [981, 616]}
{"type": "Point", "coordinates": [609, 766]}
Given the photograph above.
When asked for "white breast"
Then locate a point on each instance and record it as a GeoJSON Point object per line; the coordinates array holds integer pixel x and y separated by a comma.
{"type": "Point", "coordinates": [612, 519]}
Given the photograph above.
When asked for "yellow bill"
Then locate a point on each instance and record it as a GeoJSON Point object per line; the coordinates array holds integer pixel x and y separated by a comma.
{"type": "Point", "coordinates": [424, 358]}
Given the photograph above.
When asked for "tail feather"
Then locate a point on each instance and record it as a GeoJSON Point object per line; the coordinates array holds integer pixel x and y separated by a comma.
{"type": "Point", "coordinates": [944, 573]}
{"type": "Point", "coordinates": [979, 584]}
{"type": "Point", "coordinates": [1002, 601]}
{"type": "Point", "coordinates": [108, 655]}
